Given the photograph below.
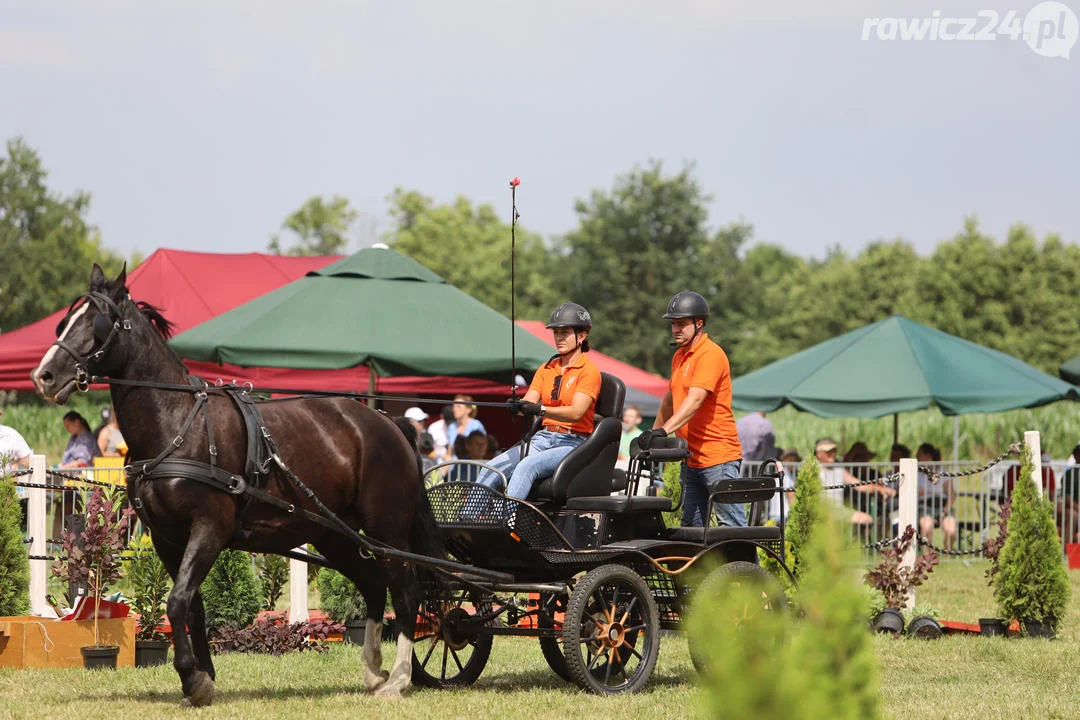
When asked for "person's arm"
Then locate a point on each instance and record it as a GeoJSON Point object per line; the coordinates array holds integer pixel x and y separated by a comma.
{"type": "Point", "coordinates": [579, 405]}
{"type": "Point", "coordinates": [103, 439]}
{"type": "Point", "coordinates": [694, 399]}
{"type": "Point", "coordinates": [665, 410]}
{"type": "Point", "coordinates": [950, 499]}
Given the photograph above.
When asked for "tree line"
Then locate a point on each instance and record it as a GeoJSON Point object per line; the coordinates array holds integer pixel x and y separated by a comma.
{"type": "Point", "coordinates": [635, 244]}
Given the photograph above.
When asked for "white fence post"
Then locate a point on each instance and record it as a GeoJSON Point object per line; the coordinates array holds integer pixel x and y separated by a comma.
{"type": "Point", "coordinates": [1031, 439]}
{"type": "Point", "coordinates": [909, 513]}
{"type": "Point", "coordinates": [298, 609]}
{"type": "Point", "coordinates": [35, 528]}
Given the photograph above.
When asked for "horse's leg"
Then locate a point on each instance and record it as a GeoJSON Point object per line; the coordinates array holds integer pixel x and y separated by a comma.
{"type": "Point", "coordinates": [404, 594]}
{"type": "Point", "coordinates": [171, 556]}
{"type": "Point", "coordinates": [369, 580]}
{"type": "Point", "coordinates": [202, 549]}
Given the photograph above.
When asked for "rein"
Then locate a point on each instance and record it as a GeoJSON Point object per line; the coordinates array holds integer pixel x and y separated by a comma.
{"type": "Point", "coordinates": [108, 324]}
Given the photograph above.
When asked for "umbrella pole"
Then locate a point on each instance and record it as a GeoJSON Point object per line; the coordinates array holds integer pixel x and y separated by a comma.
{"type": "Point", "coordinates": [956, 438]}
{"type": "Point", "coordinates": [895, 428]}
{"type": "Point", "coordinates": [371, 384]}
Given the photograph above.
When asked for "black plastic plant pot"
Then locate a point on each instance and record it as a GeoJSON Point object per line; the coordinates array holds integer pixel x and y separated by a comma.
{"type": "Point", "coordinates": [993, 627]}
{"type": "Point", "coordinates": [889, 620]}
{"type": "Point", "coordinates": [924, 627]}
{"type": "Point", "coordinates": [354, 632]}
{"type": "Point", "coordinates": [149, 653]}
{"type": "Point", "coordinates": [100, 658]}
{"type": "Point", "coordinates": [1038, 628]}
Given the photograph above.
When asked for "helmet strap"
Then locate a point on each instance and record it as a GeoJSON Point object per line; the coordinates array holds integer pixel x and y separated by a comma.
{"type": "Point", "coordinates": [577, 345]}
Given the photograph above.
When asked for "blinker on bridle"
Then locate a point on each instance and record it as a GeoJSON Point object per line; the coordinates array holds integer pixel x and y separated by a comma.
{"type": "Point", "coordinates": [108, 323]}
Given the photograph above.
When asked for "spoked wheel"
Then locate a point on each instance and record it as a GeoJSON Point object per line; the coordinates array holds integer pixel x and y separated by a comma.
{"type": "Point", "coordinates": [552, 647]}
{"type": "Point", "coordinates": [732, 575]}
{"type": "Point", "coordinates": [611, 635]}
{"type": "Point", "coordinates": [450, 647]}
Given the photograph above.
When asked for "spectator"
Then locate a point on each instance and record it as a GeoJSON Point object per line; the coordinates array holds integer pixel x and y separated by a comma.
{"type": "Point", "coordinates": [82, 447]}
{"type": "Point", "coordinates": [1068, 504]}
{"type": "Point", "coordinates": [834, 477]}
{"type": "Point", "coordinates": [465, 422]}
{"type": "Point", "coordinates": [789, 458]}
{"type": "Point", "coordinates": [425, 445]}
{"type": "Point", "coordinates": [631, 428]}
{"type": "Point", "coordinates": [1070, 480]}
{"type": "Point", "coordinates": [475, 448]}
{"type": "Point", "coordinates": [871, 500]}
{"type": "Point", "coordinates": [1048, 478]}
{"type": "Point", "coordinates": [438, 430]}
{"type": "Point", "coordinates": [14, 452]}
{"type": "Point", "coordinates": [757, 437]}
{"type": "Point", "coordinates": [492, 447]}
{"type": "Point", "coordinates": [417, 417]}
{"type": "Point", "coordinates": [109, 439]}
{"type": "Point", "coordinates": [935, 500]}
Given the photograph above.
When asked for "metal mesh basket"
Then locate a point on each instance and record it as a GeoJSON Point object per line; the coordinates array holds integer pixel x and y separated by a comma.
{"type": "Point", "coordinates": [470, 506]}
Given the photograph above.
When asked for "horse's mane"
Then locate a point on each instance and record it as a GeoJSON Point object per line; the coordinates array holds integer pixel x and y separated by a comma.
{"type": "Point", "coordinates": [153, 314]}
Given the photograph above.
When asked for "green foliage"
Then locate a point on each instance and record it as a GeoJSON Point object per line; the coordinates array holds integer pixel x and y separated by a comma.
{"type": "Point", "coordinates": [1031, 582]}
{"type": "Point", "coordinates": [340, 598]}
{"type": "Point", "coordinates": [149, 583]}
{"type": "Point", "coordinates": [45, 242]}
{"type": "Point", "coordinates": [469, 247]}
{"type": "Point", "coordinates": [14, 565]}
{"type": "Point", "coordinates": [231, 592]}
{"type": "Point", "coordinates": [806, 514]}
{"type": "Point", "coordinates": [321, 227]}
{"type": "Point", "coordinates": [764, 664]}
{"type": "Point", "coordinates": [672, 488]}
{"type": "Point", "coordinates": [895, 582]}
{"type": "Point", "coordinates": [273, 572]}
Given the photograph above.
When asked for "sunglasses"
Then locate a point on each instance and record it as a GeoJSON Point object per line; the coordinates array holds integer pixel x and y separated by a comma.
{"type": "Point", "coordinates": [555, 387]}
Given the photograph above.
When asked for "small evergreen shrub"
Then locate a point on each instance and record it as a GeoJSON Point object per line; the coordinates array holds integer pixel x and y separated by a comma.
{"type": "Point", "coordinates": [672, 488]}
{"type": "Point", "coordinates": [14, 564]}
{"type": "Point", "coordinates": [340, 598]}
{"type": "Point", "coordinates": [273, 571]}
{"type": "Point", "coordinates": [806, 513]}
{"type": "Point", "coordinates": [1031, 583]}
{"type": "Point", "coordinates": [149, 584]}
{"type": "Point", "coordinates": [231, 592]}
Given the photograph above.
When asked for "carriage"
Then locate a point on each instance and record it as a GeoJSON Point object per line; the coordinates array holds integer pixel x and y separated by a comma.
{"type": "Point", "coordinates": [586, 564]}
{"type": "Point", "coordinates": [591, 569]}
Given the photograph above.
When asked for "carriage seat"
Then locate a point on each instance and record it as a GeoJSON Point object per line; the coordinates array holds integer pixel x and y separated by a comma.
{"type": "Point", "coordinates": [589, 468]}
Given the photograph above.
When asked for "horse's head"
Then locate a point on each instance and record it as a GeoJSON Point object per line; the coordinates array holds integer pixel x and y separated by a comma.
{"type": "Point", "coordinates": [89, 339]}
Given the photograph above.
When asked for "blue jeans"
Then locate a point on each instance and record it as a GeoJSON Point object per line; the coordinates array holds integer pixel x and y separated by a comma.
{"type": "Point", "coordinates": [546, 452]}
{"type": "Point", "coordinates": [697, 483]}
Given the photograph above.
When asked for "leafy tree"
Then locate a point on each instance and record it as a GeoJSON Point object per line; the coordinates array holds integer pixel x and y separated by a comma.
{"type": "Point", "coordinates": [637, 245]}
{"type": "Point", "coordinates": [321, 227]}
{"type": "Point", "coordinates": [45, 242]}
{"type": "Point", "coordinates": [469, 247]}
{"type": "Point", "coordinates": [273, 573]}
{"type": "Point", "coordinates": [1031, 583]}
{"type": "Point", "coordinates": [14, 566]}
{"type": "Point", "coordinates": [231, 592]}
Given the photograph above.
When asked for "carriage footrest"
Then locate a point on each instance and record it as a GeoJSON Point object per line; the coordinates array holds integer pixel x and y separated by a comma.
{"type": "Point", "coordinates": [758, 533]}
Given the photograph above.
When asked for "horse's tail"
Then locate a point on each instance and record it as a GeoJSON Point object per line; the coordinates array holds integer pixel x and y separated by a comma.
{"type": "Point", "coordinates": [426, 537]}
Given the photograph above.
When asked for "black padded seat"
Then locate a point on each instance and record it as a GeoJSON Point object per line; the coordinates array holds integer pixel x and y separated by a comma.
{"type": "Point", "coordinates": [620, 503]}
{"type": "Point", "coordinates": [724, 532]}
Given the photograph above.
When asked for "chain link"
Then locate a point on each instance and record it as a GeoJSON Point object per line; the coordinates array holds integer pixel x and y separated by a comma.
{"type": "Point", "coordinates": [883, 480]}
{"type": "Point", "coordinates": [78, 479]}
{"type": "Point", "coordinates": [20, 473]}
{"type": "Point", "coordinates": [954, 553]}
{"type": "Point", "coordinates": [881, 544]}
{"type": "Point", "coordinates": [935, 474]}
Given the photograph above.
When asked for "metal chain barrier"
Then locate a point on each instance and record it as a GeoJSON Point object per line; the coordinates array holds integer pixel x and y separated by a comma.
{"type": "Point", "coordinates": [880, 545]}
{"type": "Point", "coordinates": [954, 553]}
{"type": "Point", "coordinates": [883, 480]}
{"type": "Point", "coordinates": [20, 473]}
{"type": "Point", "coordinates": [934, 474]}
{"type": "Point", "coordinates": [78, 479]}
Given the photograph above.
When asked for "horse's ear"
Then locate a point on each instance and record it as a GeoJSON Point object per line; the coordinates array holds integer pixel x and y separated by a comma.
{"type": "Point", "coordinates": [118, 286]}
{"type": "Point", "coordinates": [97, 277]}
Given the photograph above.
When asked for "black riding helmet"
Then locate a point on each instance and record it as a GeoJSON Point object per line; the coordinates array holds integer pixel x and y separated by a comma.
{"type": "Point", "coordinates": [687, 304]}
{"type": "Point", "coordinates": [572, 315]}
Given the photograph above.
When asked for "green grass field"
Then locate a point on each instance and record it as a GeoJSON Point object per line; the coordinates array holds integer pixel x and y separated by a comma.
{"type": "Point", "coordinates": [955, 677]}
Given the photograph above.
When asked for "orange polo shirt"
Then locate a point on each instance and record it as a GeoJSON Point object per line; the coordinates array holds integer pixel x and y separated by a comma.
{"type": "Point", "coordinates": [711, 432]}
{"type": "Point", "coordinates": [581, 376]}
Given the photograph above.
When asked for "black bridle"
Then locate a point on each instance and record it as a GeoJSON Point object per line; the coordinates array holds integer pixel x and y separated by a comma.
{"type": "Point", "coordinates": [108, 324]}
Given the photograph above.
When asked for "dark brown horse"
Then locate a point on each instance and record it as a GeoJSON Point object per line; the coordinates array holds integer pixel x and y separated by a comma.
{"type": "Point", "coordinates": [355, 460]}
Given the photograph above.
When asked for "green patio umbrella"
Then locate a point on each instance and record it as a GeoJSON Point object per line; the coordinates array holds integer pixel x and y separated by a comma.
{"type": "Point", "coordinates": [377, 308]}
{"type": "Point", "coordinates": [894, 366]}
{"type": "Point", "coordinates": [1070, 371]}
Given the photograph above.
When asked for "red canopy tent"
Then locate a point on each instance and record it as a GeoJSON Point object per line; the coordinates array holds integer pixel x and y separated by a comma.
{"type": "Point", "coordinates": [192, 287]}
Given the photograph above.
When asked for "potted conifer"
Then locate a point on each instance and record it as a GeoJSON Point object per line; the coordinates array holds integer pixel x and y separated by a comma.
{"type": "Point", "coordinates": [343, 603]}
{"type": "Point", "coordinates": [149, 583]}
{"type": "Point", "coordinates": [93, 557]}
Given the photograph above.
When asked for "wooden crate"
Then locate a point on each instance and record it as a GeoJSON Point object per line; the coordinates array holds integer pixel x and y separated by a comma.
{"type": "Point", "coordinates": [33, 642]}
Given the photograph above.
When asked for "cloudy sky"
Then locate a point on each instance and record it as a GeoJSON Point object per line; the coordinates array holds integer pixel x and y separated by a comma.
{"type": "Point", "coordinates": [200, 125]}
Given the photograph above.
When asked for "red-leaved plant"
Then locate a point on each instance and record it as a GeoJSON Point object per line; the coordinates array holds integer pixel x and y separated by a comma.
{"type": "Point", "coordinates": [895, 582]}
{"type": "Point", "coordinates": [992, 547]}
{"type": "Point", "coordinates": [93, 557]}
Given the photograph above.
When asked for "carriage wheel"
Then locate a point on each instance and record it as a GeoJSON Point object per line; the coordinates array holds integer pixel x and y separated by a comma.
{"type": "Point", "coordinates": [449, 648]}
{"type": "Point", "coordinates": [611, 635]}
{"type": "Point", "coordinates": [736, 574]}
{"type": "Point", "coordinates": [552, 647]}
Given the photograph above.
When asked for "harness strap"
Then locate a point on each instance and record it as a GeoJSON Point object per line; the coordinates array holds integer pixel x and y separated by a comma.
{"type": "Point", "coordinates": [147, 468]}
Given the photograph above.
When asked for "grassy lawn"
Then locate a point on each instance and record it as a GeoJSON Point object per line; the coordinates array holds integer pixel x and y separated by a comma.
{"type": "Point", "coordinates": [954, 677]}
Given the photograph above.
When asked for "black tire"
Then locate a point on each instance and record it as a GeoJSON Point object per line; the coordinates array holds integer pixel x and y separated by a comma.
{"type": "Point", "coordinates": [734, 574]}
{"type": "Point", "coordinates": [620, 658]}
{"type": "Point", "coordinates": [447, 652]}
{"type": "Point", "coordinates": [552, 647]}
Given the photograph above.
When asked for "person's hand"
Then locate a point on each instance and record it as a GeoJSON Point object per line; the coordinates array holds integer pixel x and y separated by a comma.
{"type": "Point", "coordinates": [647, 438]}
{"type": "Point", "coordinates": [888, 491]}
{"type": "Point", "coordinates": [524, 407]}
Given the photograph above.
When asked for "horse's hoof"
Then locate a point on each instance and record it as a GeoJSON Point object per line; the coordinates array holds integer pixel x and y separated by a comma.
{"type": "Point", "coordinates": [202, 694]}
{"type": "Point", "coordinates": [387, 692]}
{"type": "Point", "coordinates": [374, 681]}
